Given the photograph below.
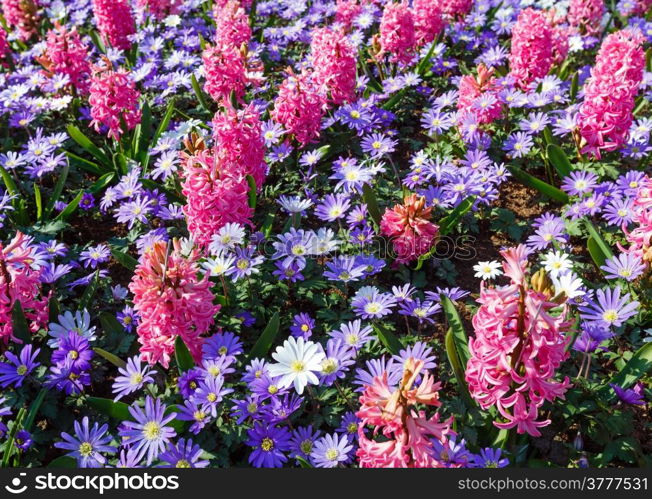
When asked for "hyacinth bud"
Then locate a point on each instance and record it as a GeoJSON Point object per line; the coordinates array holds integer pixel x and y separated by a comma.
{"type": "Point", "coordinates": [541, 283]}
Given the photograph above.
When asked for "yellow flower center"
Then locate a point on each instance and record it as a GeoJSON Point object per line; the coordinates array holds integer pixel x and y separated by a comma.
{"type": "Point", "coordinates": [85, 449]}
{"type": "Point", "coordinates": [152, 430]}
{"type": "Point", "coordinates": [267, 444]}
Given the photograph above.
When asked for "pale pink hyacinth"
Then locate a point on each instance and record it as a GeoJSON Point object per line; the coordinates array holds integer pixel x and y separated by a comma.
{"type": "Point", "coordinates": [456, 8]}
{"type": "Point", "coordinates": [220, 4]}
{"type": "Point", "coordinates": [239, 142]}
{"type": "Point", "coordinates": [160, 9]}
{"type": "Point", "coordinates": [333, 59]}
{"type": "Point", "coordinates": [20, 282]}
{"type": "Point", "coordinates": [518, 347]}
{"type": "Point", "coordinates": [65, 54]}
{"type": "Point", "coordinates": [114, 100]}
{"type": "Point", "coordinates": [410, 229]}
{"type": "Point", "coordinates": [231, 24]}
{"type": "Point", "coordinates": [299, 107]}
{"type": "Point", "coordinates": [585, 16]}
{"type": "Point", "coordinates": [605, 116]}
{"type": "Point", "coordinates": [406, 433]}
{"type": "Point", "coordinates": [172, 301]}
{"type": "Point", "coordinates": [21, 15]}
{"type": "Point", "coordinates": [115, 22]}
{"type": "Point", "coordinates": [560, 37]}
{"type": "Point", "coordinates": [428, 21]}
{"type": "Point", "coordinates": [478, 96]}
{"type": "Point", "coordinates": [346, 11]}
{"type": "Point", "coordinates": [396, 33]}
{"type": "Point", "coordinates": [532, 48]}
{"type": "Point", "coordinates": [214, 197]}
{"type": "Point", "coordinates": [5, 49]}
{"type": "Point", "coordinates": [640, 238]}
{"type": "Point", "coordinates": [225, 70]}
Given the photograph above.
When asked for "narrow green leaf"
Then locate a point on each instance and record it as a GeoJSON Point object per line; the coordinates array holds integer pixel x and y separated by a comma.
{"type": "Point", "coordinates": [597, 237]}
{"type": "Point", "coordinates": [70, 208]}
{"type": "Point", "coordinates": [388, 339]}
{"type": "Point", "coordinates": [19, 323]}
{"type": "Point", "coordinates": [547, 136]}
{"type": "Point", "coordinates": [638, 366]}
{"type": "Point", "coordinates": [541, 186]}
{"type": "Point", "coordinates": [559, 160]}
{"type": "Point", "coordinates": [201, 97]}
{"type": "Point", "coordinates": [575, 85]}
{"type": "Point", "coordinates": [303, 463]}
{"type": "Point", "coordinates": [252, 192]}
{"type": "Point", "coordinates": [102, 182]}
{"type": "Point", "coordinates": [124, 259]}
{"type": "Point", "coordinates": [458, 369]}
{"type": "Point", "coordinates": [171, 195]}
{"type": "Point", "coordinates": [34, 408]}
{"type": "Point", "coordinates": [11, 186]}
{"type": "Point", "coordinates": [369, 197]}
{"type": "Point", "coordinates": [56, 192]}
{"type": "Point", "coordinates": [53, 309]}
{"type": "Point", "coordinates": [599, 258]}
{"type": "Point", "coordinates": [111, 325]}
{"type": "Point", "coordinates": [84, 164]}
{"type": "Point", "coordinates": [87, 296]}
{"type": "Point", "coordinates": [165, 122]}
{"type": "Point", "coordinates": [9, 442]}
{"type": "Point", "coordinates": [113, 359]}
{"type": "Point", "coordinates": [116, 410]}
{"type": "Point", "coordinates": [145, 133]}
{"type": "Point", "coordinates": [63, 462]}
{"type": "Point", "coordinates": [182, 355]}
{"type": "Point", "coordinates": [457, 327]}
{"type": "Point", "coordinates": [423, 64]}
{"type": "Point", "coordinates": [95, 37]}
{"type": "Point", "coordinates": [451, 220]}
{"type": "Point", "coordinates": [641, 104]}
{"type": "Point", "coordinates": [264, 343]}
{"type": "Point", "coordinates": [87, 144]}
{"type": "Point", "coordinates": [268, 224]}
{"type": "Point", "coordinates": [39, 202]}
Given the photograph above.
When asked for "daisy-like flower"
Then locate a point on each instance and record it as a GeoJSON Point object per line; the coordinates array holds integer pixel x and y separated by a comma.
{"type": "Point", "coordinates": [556, 262]}
{"type": "Point", "coordinates": [294, 204]}
{"type": "Point", "coordinates": [609, 308]}
{"type": "Point", "coordinates": [222, 264]}
{"type": "Point", "coordinates": [80, 323]}
{"type": "Point", "coordinates": [569, 284]}
{"type": "Point", "coordinates": [19, 367]}
{"type": "Point", "coordinates": [331, 450]}
{"type": "Point", "coordinates": [488, 270]}
{"type": "Point", "coordinates": [627, 266]}
{"type": "Point", "coordinates": [297, 362]}
{"type": "Point", "coordinates": [148, 433]}
{"type": "Point", "coordinates": [227, 238]}
{"type": "Point", "coordinates": [132, 378]}
{"type": "Point", "coordinates": [270, 444]}
{"type": "Point", "coordinates": [183, 454]}
{"type": "Point", "coordinates": [353, 334]}
{"type": "Point", "coordinates": [87, 444]}
{"type": "Point", "coordinates": [369, 303]}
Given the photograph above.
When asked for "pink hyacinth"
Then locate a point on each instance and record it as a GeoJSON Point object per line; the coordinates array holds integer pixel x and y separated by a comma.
{"type": "Point", "coordinates": [640, 238]}
{"type": "Point", "coordinates": [456, 8]}
{"type": "Point", "coordinates": [232, 24]}
{"type": "Point", "coordinates": [479, 96]}
{"type": "Point", "coordinates": [605, 116]}
{"type": "Point", "coordinates": [214, 197]}
{"type": "Point", "coordinates": [396, 33]}
{"type": "Point", "coordinates": [639, 8]}
{"type": "Point", "coordinates": [171, 301]}
{"type": "Point", "coordinates": [428, 20]}
{"type": "Point", "coordinates": [114, 22]}
{"type": "Point", "coordinates": [406, 433]}
{"type": "Point", "coordinates": [334, 64]}
{"type": "Point", "coordinates": [220, 4]}
{"type": "Point", "coordinates": [113, 99]}
{"type": "Point", "coordinates": [531, 55]}
{"type": "Point", "coordinates": [518, 347]}
{"type": "Point", "coordinates": [299, 107]}
{"type": "Point", "coordinates": [410, 228]}
{"type": "Point", "coordinates": [239, 142]}
{"type": "Point", "coordinates": [21, 15]}
{"type": "Point", "coordinates": [225, 71]}
{"type": "Point", "coordinates": [346, 11]}
{"type": "Point", "coordinates": [66, 54]}
{"type": "Point", "coordinates": [585, 16]}
{"type": "Point", "coordinates": [160, 8]}
{"type": "Point", "coordinates": [20, 282]}
{"type": "Point", "coordinates": [5, 49]}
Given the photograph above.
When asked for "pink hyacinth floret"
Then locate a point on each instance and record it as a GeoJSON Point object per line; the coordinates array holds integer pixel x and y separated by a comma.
{"type": "Point", "coordinates": [478, 96]}
{"type": "Point", "coordinates": [640, 238]}
{"type": "Point", "coordinates": [114, 100]}
{"type": "Point", "coordinates": [531, 54]}
{"type": "Point", "coordinates": [334, 64]}
{"type": "Point", "coordinates": [346, 11]}
{"type": "Point", "coordinates": [225, 71]}
{"type": "Point", "coordinates": [606, 114]}
{"type": "Point", "coordinates": [406, 433]}
{"type": "Point", "coordinates": [410, 229]}
{"type": "Point", "coordinates": [66, 54]}
{"type": "Point", "coordinates": [21, 15]}
{"type": "Point", "coordinates": [232, 24]}
{"type": "Point", "coordinates": [160, 9]}
{"type": "Point", "coordinates": [517, 348]}
{"type": "Point", "coordinates": [20, 282]}
{"type": "Point", "coordinates": [171, 301]}
{"type": "Point", "coordinates": [396, 33]}
{"type": "Point", "coordinates": [5, 49]}
{"type": "Point", "coordinates": [585, 16]}
{"type": "Point", "coordinates": [115, 22]}
{"type": "Point", "coordinates": [456, 8]}
{"type": "Point", "coordinates": [428, 20]}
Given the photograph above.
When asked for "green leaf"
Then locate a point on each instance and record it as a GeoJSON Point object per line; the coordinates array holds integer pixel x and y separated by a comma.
{"type": "Point", "coordinates": [541, 186]}
{"type": "Point", "coordinates": [456, 325]}
{"type": "Point", "coordinates": [126, 260]}
{"type": "Point", "coordinates": [39, 202]}
{"type": "Point", "coordinates": [388, 339]}
{"type": "Point", "coordinates": [86, 298]}
{"type": "Point", "coordinates": [34, 408]}
{"type": "Point", "coordinates": [20, 324]}
{"type": "Point", "coordinates": [252, 192]}
{"type": "Point", "coordinates": [95, 37]}
{"type": "Point", "coordinates": [56, 192]}
{"type": "Point", "coordinates": [110, 324]}
{"type": "Point", "coordinates": [201, 97]}
{"type": "Point", "coordinates": [116, 410]}
{"type": "Point", "coordinates": [70, 208]}
{"type": "Point", "coordinates": [451, 220]}
{"type": "Point", "coordinates": [17, 202]}
{"type": "Point", "coordinates": [559, 160]}
{"type": "Point", "coordinates": [84, 164]}
{"type": "Point", "coordinates": [369, 197]}
{"type": "Point", "coordinates": [422, 67]}
{"type": "Point", "coordinates": [182, 355]}
{"type": "Point", "coordinates": [63, 462]}
{"type": "Point", "coordinates": [9, 442]}
{"type": "Point", "coordinates": [599, 258]}
{"type": "Point", "coordinates": [638, 366]}
{"type": "Point", "coordinates": [87, 144]}
{"type": "Point", "coordinates": [169, 193]}
{"type": "Point", "coordinates": [641, 104]}
{"type": "Point", "coordinates": [303, 463]}
{"type": "Point", "coordinates": [264, 343]}
{"type": "Point", "coordinates": [102, 182]}
{"type": "Point", "coordinates": [113, 359]}
{"type": "Point", "coordinates": [458, 369]}
{"type": "Point", "coordinates": [53, 309]}
{"type": "Point", "coordinates": [165, 122]}
{"type": "Point", "coordinates": [575, 85]}
{"type": "Point", "coordinates": [597, 237]}
{"type": "Point", "coordinates": [143, 134]}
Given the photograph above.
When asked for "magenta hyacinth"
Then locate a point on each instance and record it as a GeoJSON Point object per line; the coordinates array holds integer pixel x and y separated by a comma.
{"type": "Point", "coordinates": [114, 22]}
{"type": "Point", "coordinates": [22, 16]}
{"type": "Point", "coordinates": [609, 95]}
{"type": "Point", "coordinates": [456, 8]}
{"type": "Point", "coordinates": [225, 71]}
{"type": "Point", "coordinates": [67, 55]}
{"type": "Point", "coordinates": [334, 64]}
{"type": "Point", "coordinates": [397, 35]}
{"type": "Point", "coordinates": [428, 20]}
{"type": "Point", "coordinates": [585, 15]}
{"type": "Point", "coordinates": [532, 47]}
{"type": "Point", "coordinates": [160, 8]}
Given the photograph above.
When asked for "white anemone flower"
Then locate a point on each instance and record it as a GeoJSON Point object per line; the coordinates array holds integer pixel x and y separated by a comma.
{"type": "Point", "coordinates": [298, 361]}
{"type": "Point", "coordinates": [488, 270]}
